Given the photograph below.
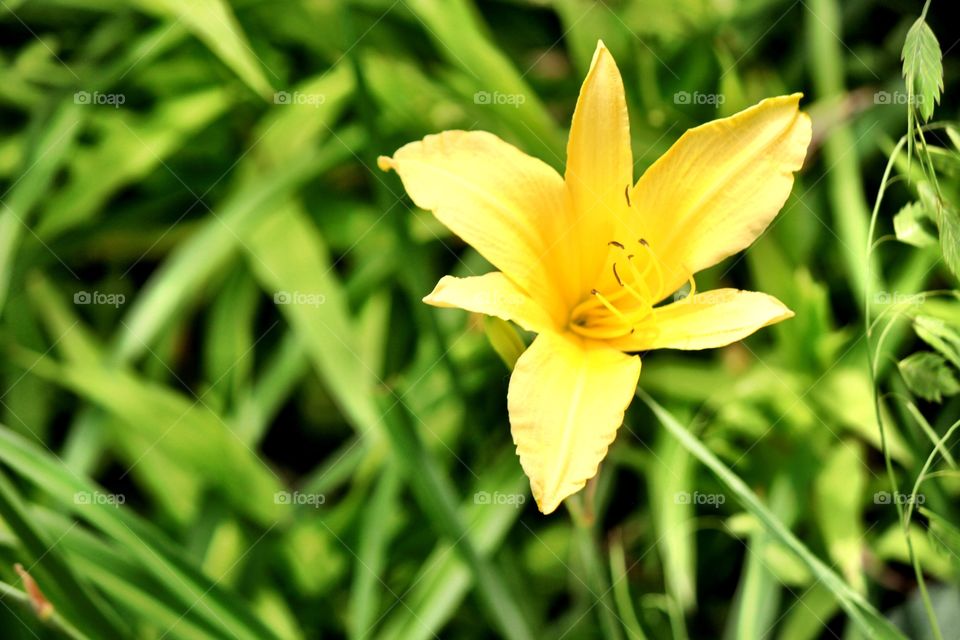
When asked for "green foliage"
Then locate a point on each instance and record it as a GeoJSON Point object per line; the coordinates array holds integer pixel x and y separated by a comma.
{"type": "Point", "coordinates": [226, 413]}
{"type": "Point", "coordinates": [922, 67]}
{"type": "Point", "coordinates": [909, 222]}
{"type": "Point", "coordinates": [928, 375]}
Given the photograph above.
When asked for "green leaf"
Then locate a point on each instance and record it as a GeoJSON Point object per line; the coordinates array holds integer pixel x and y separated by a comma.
{"type": "Point", "coordinates": [943, 535]}
{"type": "Point", "coordinates": [670, 475]}
{"type": "Point", "coordinates": [928, 375]}
{"type": "Point", "coordinates": [48, 152]}
{"type": "Point", "coordinates": [165, 561]}
{"type": "Point", "coordinates": [290, 261]}
{"type": "Point", "coordinates": [376, 533]}
{"type": "Point", "coordinates": [949, 223]}
{"type": "Point", "coordinates": [57, 579]}
{"type": "Point", "coordinates": [861, 612]}
{"type": "Point", "coordinates": [184, 429]}
{"type": "Point", "coordinates": [144, 143]}
{"type": "Point", "coordinates": [437, 498]}
{"type": "Point", "coordinates": [462, 38]}
{"type": "Point", "coordinates": [839, 512]}
{"type": "Point", "coordinates": [213, 22]}
{"type": "Point", "coordinates": [943, 337]}
{"type": "Point", "coordinates": [923, 67]}
{"type": "Point", "coordinates": [180, 278]}
{"type": "Point", "coordinates": [908, 224]}
{"type": "Point", "coordinates": [806, 618]}
{"type": "Point", "coordinates": [445, 578]}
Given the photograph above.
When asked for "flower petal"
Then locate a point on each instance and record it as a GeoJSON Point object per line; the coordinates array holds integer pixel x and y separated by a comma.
{"type": "Point", "coordinates": [502, 202]}
{"type": "Point", "coordinates": [599, 167]}
{"type": "Point", "coordinates": [720, 185]}
{"type": "Point", "coordinates": [492, 294]}
{"type": "Point", "coordinates": [707, 320]}
{"type": "Point", "coordinates": [566, 400]}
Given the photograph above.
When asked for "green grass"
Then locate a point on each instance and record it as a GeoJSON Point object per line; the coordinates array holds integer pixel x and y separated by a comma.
{"type": "Point", "coordinates": [226, 413]}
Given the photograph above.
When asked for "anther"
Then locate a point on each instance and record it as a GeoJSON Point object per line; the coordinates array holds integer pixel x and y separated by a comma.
{"type": "Point", "coordinates": [614, 243]}
{"type": "Point", "coordinates": [626, 193]}
{"type": "Point", "coordinates": [644, 242]}
{"type": "Point", "coordinates": [617, 275]}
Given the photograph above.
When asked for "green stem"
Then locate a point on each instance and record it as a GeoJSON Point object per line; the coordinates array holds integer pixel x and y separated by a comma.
{"type": "Point", "coordinates": [857, 607]}
{"type": "Point", "coordinates": [872, 356]}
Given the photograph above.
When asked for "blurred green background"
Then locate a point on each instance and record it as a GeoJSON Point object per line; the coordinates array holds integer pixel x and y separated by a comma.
{"type": "Point", "coordinates": [225, 413]}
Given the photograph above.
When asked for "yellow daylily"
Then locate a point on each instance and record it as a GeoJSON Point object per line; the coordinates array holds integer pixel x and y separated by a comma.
{"type": "Point", "coordinates": [585, 260]}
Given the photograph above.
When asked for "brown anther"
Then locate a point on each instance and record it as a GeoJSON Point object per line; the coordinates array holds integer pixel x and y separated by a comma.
{"type": "Point", "coordinates": [593, 292]}
{"type": "Point", "coordinates": [614, 243]}
{"type": "Point", "coordinates": [644, 242]}
{"type": "Point", "coordinates": [617, 275]}
{"type": "Point", "coordinates": [626, 193]}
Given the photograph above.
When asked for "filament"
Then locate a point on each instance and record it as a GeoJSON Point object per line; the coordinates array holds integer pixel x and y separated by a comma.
{"type": "Point", "coordinates": [625, 309]}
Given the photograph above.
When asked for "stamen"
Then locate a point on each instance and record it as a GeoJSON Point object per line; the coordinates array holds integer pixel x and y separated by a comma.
{"type": "Point", "coordinates": [626, 193]}
{"type": "Point", "coordinates": [604, 333]}
{"type": "Point", "coordinates": [656, 266]}
{"type": "Point", "coordinates": [640, 277]}
{"type": "Point", "coordinates": [627, 308]}
{"type": "Point", "coordinates": [693, 288]}
{"type": "Point", "coordinates": [612, 309]}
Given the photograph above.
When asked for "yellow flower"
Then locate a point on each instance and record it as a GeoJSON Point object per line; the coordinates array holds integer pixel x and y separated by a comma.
{"type": "Point", "coordinates": [585, 260]}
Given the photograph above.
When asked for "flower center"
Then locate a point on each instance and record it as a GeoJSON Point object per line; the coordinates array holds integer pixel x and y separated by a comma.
{"type": "Point", "coordinates": [625, 305]}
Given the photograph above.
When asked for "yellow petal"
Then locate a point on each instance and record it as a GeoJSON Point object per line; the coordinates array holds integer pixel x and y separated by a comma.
{"type": "Point", "coordinates": [499, 200]}
{"type": "Point", "coordinates": [566, 400]}
{"type": "Point", "coordinates": [599, 168]}
{"type": "Point", "coordinates": [720, 185]}
{"type": "Point", "coordinates": [707, 320]}
{"type": "Point", "coordinates": [492, 294]}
